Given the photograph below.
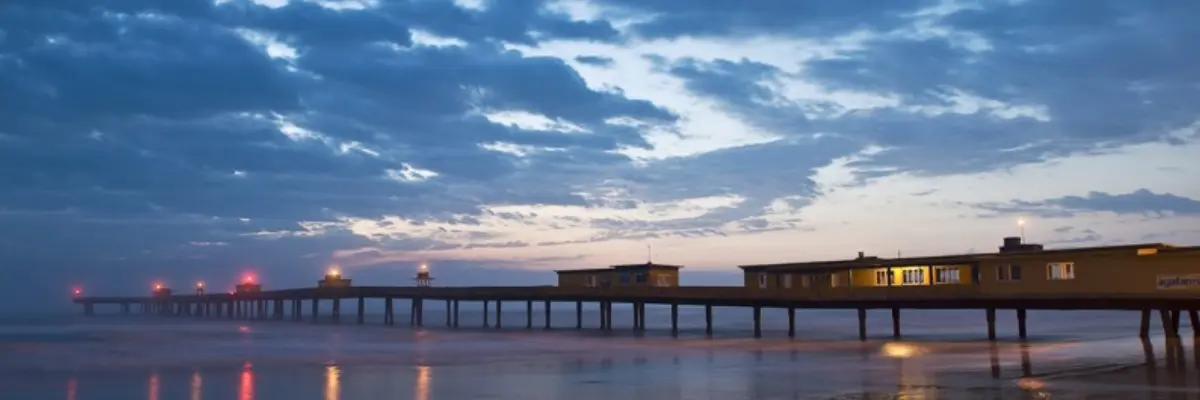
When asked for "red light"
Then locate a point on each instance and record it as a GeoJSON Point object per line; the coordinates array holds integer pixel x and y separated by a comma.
{"type": "Point", "coordinates": [249, 278]}
{"type": "Point", "coordinates": [78, 292]}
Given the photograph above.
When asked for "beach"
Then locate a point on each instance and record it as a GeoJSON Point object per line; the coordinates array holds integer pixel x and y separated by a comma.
{"type": "Point", "coordinates": [943, 355]}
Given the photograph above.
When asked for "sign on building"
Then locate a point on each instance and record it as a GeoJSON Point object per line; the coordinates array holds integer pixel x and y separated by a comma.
{"type": "Point", "coordinates": [1169, 282]}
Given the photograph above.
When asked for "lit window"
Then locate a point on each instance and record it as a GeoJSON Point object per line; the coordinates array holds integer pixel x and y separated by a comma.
{"type": "Point", "coordinates": [787, 281]}
{"type": "Point", "coordinates": [835, 280]}
{"type": "Point", "coordinates": [590, 281]}
{"type": "Point", "coordinates": [805, 281]}
{"type": "Point", "coordinates": [912, 276]}
{"type": "Point", "coordinates": [1147, 251]}
{"type": "Point", "coordinates": [663, 281]}
{"type": "Point", "coordinates": [883, 277]}
{"type": "Point", "coordinates": [1060, 271]}
{"type": "Point", "coordinates": [946, 275]}
{"type": "Point", "coordinates": [1008, 273]}
{"type": "Point", "coordinates": [762, 281]}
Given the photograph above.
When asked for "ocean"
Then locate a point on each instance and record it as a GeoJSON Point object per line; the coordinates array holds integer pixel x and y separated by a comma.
{"type": "Point", "coordinates": [943, 355]}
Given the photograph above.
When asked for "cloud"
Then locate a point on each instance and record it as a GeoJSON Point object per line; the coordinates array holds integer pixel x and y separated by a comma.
{"type": "Point", "coordinates": [1139, 202]}
{"type": "Point", "coordinates": [599, 61]}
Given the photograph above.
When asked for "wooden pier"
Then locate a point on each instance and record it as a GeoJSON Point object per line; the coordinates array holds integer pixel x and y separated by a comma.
{"type": "Point", "coordinates": [288, 304]}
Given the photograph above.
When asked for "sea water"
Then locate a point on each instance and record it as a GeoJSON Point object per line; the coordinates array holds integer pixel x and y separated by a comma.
{"type": "Point", "coordinates": [943, 355]}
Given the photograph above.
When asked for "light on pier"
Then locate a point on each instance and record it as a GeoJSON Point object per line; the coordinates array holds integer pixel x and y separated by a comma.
{"type": "Point", "coordinates": [423, 278]}
{"type": "Point", "coordinates": [77, 292]}
{"type": "Point", "coordinates": [333, 279]}
{"type": "Point", "coordinates": [199, 287]}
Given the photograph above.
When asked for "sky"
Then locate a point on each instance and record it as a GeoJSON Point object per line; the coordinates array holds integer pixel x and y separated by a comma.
{"type": "Point", "coordinates": [173, 141]}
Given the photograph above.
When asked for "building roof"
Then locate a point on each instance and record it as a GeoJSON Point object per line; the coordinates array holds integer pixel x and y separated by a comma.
{"type": "Point", "coordinates": [647, 265]}
{"type": "Point", "coordinates": [872, 262]}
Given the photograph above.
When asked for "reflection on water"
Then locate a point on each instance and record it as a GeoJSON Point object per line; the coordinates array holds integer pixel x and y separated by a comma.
{"type": "Point", "coordinates": [196, 383]}
{"type": "Point", "coordinates": [72, 388]}
{"type": "Point", "coordinates": [246, 385]}
{"type": "Point", "coordinates": [422, 386]}
{"type": "Point", "coordinates": [153, 387]}
{"type": "Point", "coordinates": [333, 376]}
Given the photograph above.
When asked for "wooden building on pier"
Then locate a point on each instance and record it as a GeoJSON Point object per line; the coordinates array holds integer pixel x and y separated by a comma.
{"type": "Point", "coordinates": [646, 274]}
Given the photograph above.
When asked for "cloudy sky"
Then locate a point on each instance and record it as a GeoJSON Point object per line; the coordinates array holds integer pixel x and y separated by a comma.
{"type": "Point", "coordinates": [178, 140]}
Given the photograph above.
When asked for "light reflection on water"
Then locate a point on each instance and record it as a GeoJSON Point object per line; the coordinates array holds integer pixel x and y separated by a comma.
{"type": "Point", "coordinates": [333, 378]}
{"type": "Point", "coordinates": [909, 369]}
{"type": "Point", "coordinates": [246, 383]}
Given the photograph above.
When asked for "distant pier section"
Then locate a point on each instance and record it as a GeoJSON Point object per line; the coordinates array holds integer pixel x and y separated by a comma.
{"type": "Point", "coordinates": [1153, 278]}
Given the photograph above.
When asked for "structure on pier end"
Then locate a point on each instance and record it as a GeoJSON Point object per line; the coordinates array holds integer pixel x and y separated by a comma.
{"type": "Point", "coordinates": [423, 278]}
{"type": "Point", "coordinates": [647, 274]}
{"type": "Point", "coordinates": [333, 279]}
{"type": "Point", "coordinates": [248, 286]}
{"type": "Point", "coordinates": [161, 291]}
{"type": "Point", "coordinates": [199, 288]}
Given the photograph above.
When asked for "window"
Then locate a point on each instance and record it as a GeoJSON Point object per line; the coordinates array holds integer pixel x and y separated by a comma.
{"type": "Point", "coordinates": [883, 277]}
{"type": "Point", "coordinates": [912, 276]}
{"type": "Point", "coordinates": [640, 277]}
{"type": "Point", "coordinates": [1008, 273]}
{"type": "Point", "coordinates": [1060, 271]}
{"type": "Point", "coordinates": [835, 280]}
{"type": "Point", "coordinates": [1147, 251]}
{"type": "Point", "coordinates": [787, 281]}
{"type": "Point", "coordinates": [663, 281]}
{"type": "Point", "coordinates": [624, 277]}
{"type": "Point", "coordinates": [945, 275]}
{"type": "Point", "coordinates": [590, 281]}
{"type": "Point", "coordinates": [762, 281]}
{"type": "Point", "coordinates": [805, 281]}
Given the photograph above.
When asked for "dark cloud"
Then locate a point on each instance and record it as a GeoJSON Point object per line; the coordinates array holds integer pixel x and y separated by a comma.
{"type": "Point", "coordinates": [1041, 79]}
{"type": "Point", "coordinates": [131, 128]}
{"type": "Point", "coordinates": [675, 18]}
{"type": "Point", "coordinates": [1140, 202]}
{"type": "Point", "coordinates": [599, 61]}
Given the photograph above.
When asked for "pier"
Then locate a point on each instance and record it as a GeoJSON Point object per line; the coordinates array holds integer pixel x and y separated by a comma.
{"type": "Point", "coordinates": [1152, 278]}
{"type": "Point", "coordinates": [289, 304]}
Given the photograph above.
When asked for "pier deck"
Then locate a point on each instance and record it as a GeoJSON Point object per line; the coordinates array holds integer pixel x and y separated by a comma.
{"type": "Point", "coordinates": [255, 305]}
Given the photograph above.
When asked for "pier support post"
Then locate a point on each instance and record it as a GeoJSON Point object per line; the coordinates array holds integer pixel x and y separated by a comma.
{"type": "Point", "coordinates": [708, 329]}
{"type": "Point", "coordinates": [1168, 325]}
{"type": "Point", "coordinates": [674, 319]}
{"type": "Point", "coordinates": [412, 312]}
{"type": "Point", "coordinates": [337, 309]}
{"type": "Point", "coordinates": [1021, 332]}
{"type": "Point", "coordinates": [231, 309]}
{"type": "Point", "coordinates": [456, 313]}
{"type": "Point", "coordinates": [316, 311]}
{"type": "Point", "coordinates": [486, 324]}
{"type": "Point", "coordinates": [578, 315]}
{"type": "Point", "coordinates": [1194, 320]}
{"type": "Point", "coordinates": [420, 311]}
{"type": "Point", "coordinates": [862, 324]}
{"type": "Point", "coordinates": [896, 323]}
{"type": "Point", "coordinates": [791, 322]}
{"type": "Point", "coordinates": [608, 316]}
{"type": "Point", "coordinates": [449, 314]}
{"type": "Point", "coordinates": [642, 315]}
{"type": "Point", "coordinates": [1144, 331]}
{"type": "Point", "coordinates": [362, 309]}
{"type": "Point", "coordinates": [529, 314]}
{"type": "Point", "coordinates": [1175, 317]}
{"type": "Point", "coordinates": [603, 316]}
{"type": "Point", "coordinates": [389, 317]}
{"type": "Point", "coordinates": [499, 315]}
{"type": "Point", "coordinates": [757, 321]}
{"type": "Point", "coordinates": [634, 307]}
{"type": "Point", "coordinates": [991, 324]}
{"type": "Point", "coordinates": [547, 311]}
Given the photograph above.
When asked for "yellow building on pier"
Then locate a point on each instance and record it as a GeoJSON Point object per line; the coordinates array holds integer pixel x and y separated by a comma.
{"type": "Point", "coordinates": [1017, 268]}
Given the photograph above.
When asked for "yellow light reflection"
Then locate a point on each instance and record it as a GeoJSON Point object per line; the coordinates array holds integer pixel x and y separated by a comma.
{"type": "Point", "coordinates": [900, 350]}
{"type": "Point", "coordinates": [152, 387]}
{"type": "Point", "coordinates": [422, 387]}
{"type": "Point", "coordinates": [196, 383]}
{"type": "Point", "coordinates": [246, 386]}
{"type": "Point", "coordinates": [333, 387]}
